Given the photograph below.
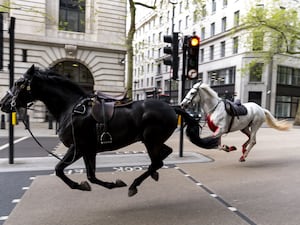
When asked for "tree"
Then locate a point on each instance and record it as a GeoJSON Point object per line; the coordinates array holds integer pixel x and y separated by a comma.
{"type": "Point", "coordinates": [129, 41]}
{"type": "Point", "coordinates": [280, 26]}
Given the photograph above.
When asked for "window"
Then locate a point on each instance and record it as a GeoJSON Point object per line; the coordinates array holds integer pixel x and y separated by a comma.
{"type": "Point", "coordinates": [288, 76]}
{"type": "Point", "coordinates": [186, 22]}
{"type": "Point", "coordinates": [284, 75]}
{"type": "Point", "coordinates": [72, 15]}
{"type": "Point", "coordinates": [213, 6]}
{"type": "Point", "coordinates": [258, 41]}
{"type": "Point", "coordinates": [223, 48]}
{"type": "Point", "coordinates": [24, 55]}
{"type": "Point", "coordinates": [283, 106]}
{"type": "Point", "coordinates": [221, 77]}
{"type": "Point", "coordinates": [202, 55]}
{"type": "Point", "coordinates": [202, 33]}
{"type": "Point", "coordinates": [225, 3]}
{"type": "Point", "coordinates": [224, 23]}
{"type": "Point", "coordinates": [254, 96]}
{"type": "Point", "coordinates": [235, 46]}
{"type": "Point", "coordinates": [212, 29]}
{"type": "Point", "coordinates": [211, 52]}
{"type": "Point", "coordinates": [236, 18]}
{"type": "Point", "coordinates": [256, 72]}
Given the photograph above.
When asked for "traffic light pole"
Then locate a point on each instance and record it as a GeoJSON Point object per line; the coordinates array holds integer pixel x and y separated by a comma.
{"type": "Point", "coordinates": [11, 83]}
{"type": "Point", "coordinates": [183, 76]}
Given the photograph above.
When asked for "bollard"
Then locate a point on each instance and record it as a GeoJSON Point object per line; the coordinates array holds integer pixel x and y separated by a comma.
{"type": "Point", "coordinates": [50, 122]}
{"type": "Point", "coordinates": [2, 125]}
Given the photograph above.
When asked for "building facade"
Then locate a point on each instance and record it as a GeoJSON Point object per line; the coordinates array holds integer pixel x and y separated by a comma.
{"type": "Point", "coordinates": [223, 55]}
{"type": "Point", "coordinates": [82, 39]}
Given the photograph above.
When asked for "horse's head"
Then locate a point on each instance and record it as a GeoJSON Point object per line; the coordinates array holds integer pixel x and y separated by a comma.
{"type": "Point", "coordinates": [192, 96]}
{"type": "Point", "coordinates": [20, 94]}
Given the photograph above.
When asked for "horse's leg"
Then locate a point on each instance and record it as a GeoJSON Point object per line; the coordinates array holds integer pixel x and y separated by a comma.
{"type": "Point", "coordinates": [157, 155]}
{"type": "Point", "coordinates": [250, 143]}
{"type": "Point", "coordinates": [90, 163]}
{"type": "Point", "coordinates": [70, 157]}
{"type": "Point", "coordinates": [248, 133]}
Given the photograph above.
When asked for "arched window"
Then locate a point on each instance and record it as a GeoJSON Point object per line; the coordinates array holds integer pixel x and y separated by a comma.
{"type": "Point", "coordinates": [72, 15]}
{"type": "Point", "coordinates": [76, 72]}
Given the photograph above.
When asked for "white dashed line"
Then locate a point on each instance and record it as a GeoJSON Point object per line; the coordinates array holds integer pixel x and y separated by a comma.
{"type": "Point", "coordinates": [2, 218]}
{"type": "Point", "coordinates": [16, 201]}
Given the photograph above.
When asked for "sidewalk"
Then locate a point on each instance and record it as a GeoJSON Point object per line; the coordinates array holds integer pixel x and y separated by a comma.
{"type": "Point", "coordinates": [39, 129]}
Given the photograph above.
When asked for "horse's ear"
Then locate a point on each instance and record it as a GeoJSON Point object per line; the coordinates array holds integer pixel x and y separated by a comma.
{"type": "Point", "coordinates": [30, 71]}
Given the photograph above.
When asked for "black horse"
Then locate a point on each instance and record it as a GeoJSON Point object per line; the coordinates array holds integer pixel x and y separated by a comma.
{"type": "Point", "coordinates": [150, 121]}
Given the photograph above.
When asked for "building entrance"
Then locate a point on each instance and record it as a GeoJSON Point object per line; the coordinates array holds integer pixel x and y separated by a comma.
{"type": "Point", "coordinates": [76, 72]}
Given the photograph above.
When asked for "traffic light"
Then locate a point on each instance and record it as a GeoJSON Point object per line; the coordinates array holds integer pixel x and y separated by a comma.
{"type": "Point", "coordinates": [173, 59]}
{"type": "Point", "coordinates": [193, 57]}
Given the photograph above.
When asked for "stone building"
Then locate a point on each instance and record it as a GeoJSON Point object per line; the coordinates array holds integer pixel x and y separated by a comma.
{"type": "Point", "coordinates": [223, 55]}
{"type": "Point", "coordinates": [82, 39]}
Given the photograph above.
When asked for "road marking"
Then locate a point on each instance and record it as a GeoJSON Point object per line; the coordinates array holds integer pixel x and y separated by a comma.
{"type": "Point", "coordinates": [25, 188]}
{"type": "Point", "coordinates": [218, 198]}
{"type": "Point", "coordinates": [2, 147]}
{"type": "Point", "coordinates": [2, 218]}
{"type": "Point", "coordinates": [15, 200]}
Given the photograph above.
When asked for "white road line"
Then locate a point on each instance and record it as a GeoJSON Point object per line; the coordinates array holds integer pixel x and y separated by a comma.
{"type": "Point", "coordinates": [3, 218]}
{"type": "Point", "coordinates": [15, 200]}
{"type": "Point", "coordinates": [25, 188]}
{"type": "Point", "coordinates": [2, 147]}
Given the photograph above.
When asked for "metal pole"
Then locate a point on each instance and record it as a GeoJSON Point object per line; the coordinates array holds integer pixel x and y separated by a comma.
{"type": "Point", "coordinates": [11, 32]}
{"type": "Point", "coordinates": [184, 47]}
{"type": "Point", "coordinates": [173, 25]}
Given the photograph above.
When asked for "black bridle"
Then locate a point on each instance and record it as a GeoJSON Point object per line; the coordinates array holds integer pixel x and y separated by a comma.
{"type": "Point", "coordinates": [14, 94]}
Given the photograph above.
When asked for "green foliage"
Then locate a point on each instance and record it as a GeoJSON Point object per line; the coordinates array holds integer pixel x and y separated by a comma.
{"type": "Point", "coordinates": [280, 26]}
{"type": "Point", "coordinates": [271, 29]}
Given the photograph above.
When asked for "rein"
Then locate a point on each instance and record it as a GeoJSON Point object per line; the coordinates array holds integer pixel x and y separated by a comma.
{"type": "Point", "coordinates": [39, 143]}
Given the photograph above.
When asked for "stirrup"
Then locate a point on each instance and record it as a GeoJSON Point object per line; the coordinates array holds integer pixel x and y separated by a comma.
{"type": "Point", "coordinates": [105, 138]}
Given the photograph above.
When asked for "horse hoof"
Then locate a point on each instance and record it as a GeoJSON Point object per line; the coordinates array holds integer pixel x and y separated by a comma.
{"type": "Point", "coordinates": [225, 148]}
{"type": "Point", "coordinates": [132, 192]}
{"type": "Point", "coordinates": [84, 186]}
{"type": "Point", "coordinates": [232, 148]}
{"type": "Point", "coordinates": [242, 159]}
{"type": "Point", "coordinates": [120, 183]}
{"type": "Point", "coordinates": [155, 176]}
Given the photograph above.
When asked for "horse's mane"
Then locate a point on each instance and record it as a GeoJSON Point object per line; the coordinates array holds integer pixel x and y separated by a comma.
{"type": "Point", "coordinates": [48, 75]}
{"type": "Point", "coordinates": [209, 90]}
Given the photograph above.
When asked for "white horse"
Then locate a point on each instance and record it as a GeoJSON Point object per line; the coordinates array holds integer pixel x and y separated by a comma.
{"type": "Point", "coordinates": [220, 122]}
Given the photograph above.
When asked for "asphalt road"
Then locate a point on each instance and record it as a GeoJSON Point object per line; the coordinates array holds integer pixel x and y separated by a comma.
{"type": "Point", "coordinates": [14, 184]}
{"type": "Point", "coordinates": [263, 190]}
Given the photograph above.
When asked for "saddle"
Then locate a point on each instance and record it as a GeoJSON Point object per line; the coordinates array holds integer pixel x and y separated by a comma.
{"type": "Point", "coordinates": [102, 110]}
{"type": "Point", "coordinates": [235, 109]}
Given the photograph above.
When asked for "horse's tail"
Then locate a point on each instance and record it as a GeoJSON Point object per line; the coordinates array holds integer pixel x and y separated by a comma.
{"type": "Point", "coordinates": [276, 124]}
{"type": "Point", "coordinates": [192, 131]}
